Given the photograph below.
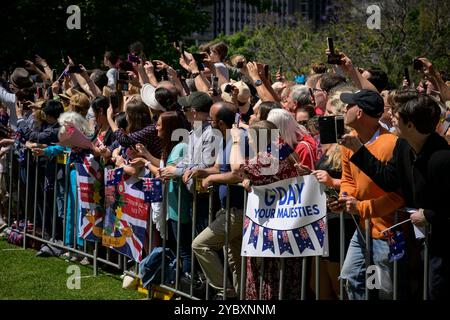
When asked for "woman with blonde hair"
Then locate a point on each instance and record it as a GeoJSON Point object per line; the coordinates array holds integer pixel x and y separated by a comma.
{"type": "Point", "coordinates": [328, 173]}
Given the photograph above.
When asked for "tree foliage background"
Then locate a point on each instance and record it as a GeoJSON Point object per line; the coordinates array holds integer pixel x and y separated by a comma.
{"type": "Point", "coordinates": [31, 27]}
{"type": "Point", "coordinates": [409, 28]}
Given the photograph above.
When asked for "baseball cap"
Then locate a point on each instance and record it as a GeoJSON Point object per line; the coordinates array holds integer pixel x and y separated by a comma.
{"type": "Point", "coordinates": [200, 101]}
{"type": "Point", "coordinates": [370, 101]}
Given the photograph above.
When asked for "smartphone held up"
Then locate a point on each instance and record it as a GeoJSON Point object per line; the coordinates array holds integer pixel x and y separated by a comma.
{"type": "Point", "coordinates": [331, 129]}
{"type": "Point", "coordinates": [333, 57]}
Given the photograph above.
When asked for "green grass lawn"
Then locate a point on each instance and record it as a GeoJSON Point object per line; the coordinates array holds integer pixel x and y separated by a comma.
{"type": "Point", "coordinates": [23, 276]}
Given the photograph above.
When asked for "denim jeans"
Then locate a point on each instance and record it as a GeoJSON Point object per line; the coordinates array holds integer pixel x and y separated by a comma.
{"type": "Point", "coordinates": [354, 268]}
{"type": "Point", "coordinates": [185, 243]}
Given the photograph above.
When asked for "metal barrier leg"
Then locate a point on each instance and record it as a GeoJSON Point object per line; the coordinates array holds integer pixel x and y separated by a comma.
{"type": "Point", "coordinates": [367, 225]}
{"type": "Point", "coordinates": [341, 253]}
{"type": "Point", "coordinates": [18, 197]}
{"type": "Point", "coordinates": [395, 271]}
{"type": "Point", "coordinates": [304, 280]}
{"type": "Point", "coordinates": [210, 219]}
{"type": "Point", "coordinates": [44, 204]}
{"type": "Point", "coordinates": [150, 246]}
{"type": "Point", "coordinates": [243, 259]}
{"type": "Point", "coordinates": [10, 185]}
{"type": "Point", "coordinates": [177, 271]}
{"type": "Point", "coordinates": [164, 228]}
{"type": "Point", "coordinates": [35, 196]}
{"type": "Point", "coordinates": [317, 266]}
{"type": "Point", "coordinates": [281, 286]}
{"type": "Point", "coordinates": [55, 209]}
{"type": "Point", "coordinates": [28, 155]}
{"type": "Point", "coordinates": [227, 239]}
{"type": "Point", "coordinates": [194, 224]}
{"type": "Point", "coordinates": [74, 219]}
{"type": "Point", "coordinates": [94, 263]}
{"type": "Point", "coordinates": [261, 278]}
{"type": "Point", "coordinates": [66, 200]}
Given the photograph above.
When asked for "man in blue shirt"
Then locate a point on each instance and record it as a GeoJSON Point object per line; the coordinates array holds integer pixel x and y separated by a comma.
{"type": "Point", "coordinates": [213, 237]}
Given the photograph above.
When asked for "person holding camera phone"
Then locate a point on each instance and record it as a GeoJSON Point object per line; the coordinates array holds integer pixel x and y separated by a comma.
{"type": "Point", "coordinates": [361, 196]}
{"type": "Point", "coordinates": [420, 168]}
{"type": "Point", "coordinates": [329, 172]}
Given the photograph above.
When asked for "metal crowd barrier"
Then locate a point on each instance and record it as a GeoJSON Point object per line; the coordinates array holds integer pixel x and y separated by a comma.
{"type": "Point", "coordinates": [92, 252]}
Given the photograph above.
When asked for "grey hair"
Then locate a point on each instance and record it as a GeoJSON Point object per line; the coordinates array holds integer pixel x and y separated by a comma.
{"type": "Point", "coordinates": [290, 130]}
{"type": "Point", "coordinates": [77, 120]}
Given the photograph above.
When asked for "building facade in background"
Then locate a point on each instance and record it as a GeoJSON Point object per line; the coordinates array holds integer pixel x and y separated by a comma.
{"type": "Point", "coordinates": [230, 16]}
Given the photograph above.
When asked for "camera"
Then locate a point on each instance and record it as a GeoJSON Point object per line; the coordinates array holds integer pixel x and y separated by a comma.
{"type": "Point", "coordinates": [406, 75]}
{"type": "Point", "coordinates": [240, 64]}
{"type": "Point", "coordinates": [228, 89]}
{"type": "Point", "coordinates": [199, 57]}
{"type": "Point", "coordinates": [333, 58]}
{"type": "Point", "coordinates": [331, 193]}
{"type": "Point", "coordinates": [123, 77]}
{"type": "Point", "coordinates": [74, 69]}
{"type": "Point", "coordinates": [331, 129]}
{"type": "Point", "coordinates": [5, 132]}
{"type": "Point", "coordinates": [215, 85]}
{"type": "Point", "coordinates": [133, 58]}
{"type": "Point", "coordinates": [417, 64]}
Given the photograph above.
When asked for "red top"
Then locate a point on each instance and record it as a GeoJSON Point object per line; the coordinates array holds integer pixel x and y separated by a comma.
{"type": "Point", "coordinates": [306, 149]}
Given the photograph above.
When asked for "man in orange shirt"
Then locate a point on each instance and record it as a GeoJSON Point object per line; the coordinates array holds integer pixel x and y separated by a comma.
{"type": "Point", "coordinates": [361, 196]}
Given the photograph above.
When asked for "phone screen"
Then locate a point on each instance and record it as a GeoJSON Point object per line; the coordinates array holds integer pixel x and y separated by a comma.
{"type": "Point", "coordinates": [406, 75]}
{"type": "Point", "coordinates": [327, 129]}
{"type": "Point", "coordinates": [198, 57]}
{"type": "Point", "coordinates": [340, 127]}
{"type": "Point", "coordinates": [331, 129]}
{"type": "Point", "coordinates": [133, 58]}
{"type": "Point", "coordinates": [330, 44]}
{"type": "Point", "coordinates": [74, 69]}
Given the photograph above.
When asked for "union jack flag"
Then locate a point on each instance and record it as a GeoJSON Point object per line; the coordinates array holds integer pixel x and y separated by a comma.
{"type": "Point", "coordinates": [126, 217]}
{"type": "Point", "coordinates": [90, 198]}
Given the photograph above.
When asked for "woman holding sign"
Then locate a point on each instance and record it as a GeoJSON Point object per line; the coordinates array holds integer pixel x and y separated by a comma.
{"type": "Point", "coordinates": [254, 172]}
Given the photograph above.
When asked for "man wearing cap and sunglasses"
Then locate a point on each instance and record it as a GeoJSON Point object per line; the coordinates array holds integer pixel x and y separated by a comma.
{"type": "Point", "coordinates": [420, 168]}
{"type": "Point", "coordinates": [361, 196]}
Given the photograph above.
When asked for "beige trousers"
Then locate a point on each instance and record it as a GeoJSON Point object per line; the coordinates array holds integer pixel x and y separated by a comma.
{"type": "Point", "coordinates": [212, 239]}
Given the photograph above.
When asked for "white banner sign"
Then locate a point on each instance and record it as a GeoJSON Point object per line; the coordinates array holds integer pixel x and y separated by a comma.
{"type": "Point", "coordinates": [286, 219]}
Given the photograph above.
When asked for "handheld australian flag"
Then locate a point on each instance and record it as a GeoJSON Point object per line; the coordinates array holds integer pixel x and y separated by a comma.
{"type": "Point", "coordinates": [397, 245]}
{"type": "Point", "coordinates": [114, 176]}
{"type": "Point", "coordinates": [152, 189]}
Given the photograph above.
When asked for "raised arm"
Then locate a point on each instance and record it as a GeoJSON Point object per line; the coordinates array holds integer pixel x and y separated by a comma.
{"type": "Point", "coordinates": [384, 175]}
{"type": "Point", "coordinates": [265, 91]}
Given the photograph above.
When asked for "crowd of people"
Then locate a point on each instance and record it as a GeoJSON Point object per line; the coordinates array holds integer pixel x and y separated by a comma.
{"type": "Point", "coordinates": [395, 154]}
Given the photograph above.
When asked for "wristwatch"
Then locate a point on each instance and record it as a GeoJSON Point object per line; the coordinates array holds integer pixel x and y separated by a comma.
{"type": "Point", "coordinates": [258, 83]}
{"type": "Point", "coordinates": [195, 74]}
